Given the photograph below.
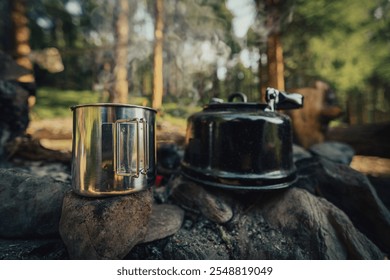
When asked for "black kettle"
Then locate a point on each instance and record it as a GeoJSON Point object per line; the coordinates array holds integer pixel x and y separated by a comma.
{"type": "Point", "coordinates": [242, 145]}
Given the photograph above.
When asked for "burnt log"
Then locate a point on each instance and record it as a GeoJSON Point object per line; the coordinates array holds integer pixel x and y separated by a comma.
{"type": "Point", "coordinates": [215, 206]}
{"type": "Point", "coordinates": [353, 193]}
{"type": "Point", "coordinates": [366, 139]}
{"type": "Point", "coordinates": [30, 148]}
{"type": "Point", "coordinates": [284, 224]}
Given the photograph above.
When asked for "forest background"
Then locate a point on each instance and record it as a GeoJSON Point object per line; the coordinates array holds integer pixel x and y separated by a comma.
{"type": "Point", "coordinates": [207, 49]}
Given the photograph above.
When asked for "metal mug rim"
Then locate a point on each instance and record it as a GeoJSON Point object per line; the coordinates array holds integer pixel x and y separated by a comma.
{"type": "Point", "coordinates": [111, 105]}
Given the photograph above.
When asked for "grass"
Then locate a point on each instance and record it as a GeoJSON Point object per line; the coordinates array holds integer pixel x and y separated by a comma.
{"type": "Point", "coordinates": [177, 114]}
{"type": "Point", "coordinates": [55, 103]}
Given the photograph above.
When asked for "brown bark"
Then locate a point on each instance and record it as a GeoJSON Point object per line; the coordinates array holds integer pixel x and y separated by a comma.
{"type": "Point", "coordinates": [120, 86]}
{"type": "Point", "coordinates": [158, 56]}
{"type": "Point", "coordinates": [20, 38]}
{"type": "Point", "coordinates": [310, 123]}
{"type": "Point", "coordinates": [275, 62]}
{"type": "Point", "coordinates": [274, 46]}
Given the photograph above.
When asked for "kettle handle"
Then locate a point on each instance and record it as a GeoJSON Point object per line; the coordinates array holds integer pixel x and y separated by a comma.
{"type": "Point", "coordinates": [277, 99]}
{"type": "Point", "coordinates": [239, 95]}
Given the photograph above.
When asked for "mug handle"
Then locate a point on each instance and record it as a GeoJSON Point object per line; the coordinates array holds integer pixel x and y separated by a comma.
{"type": "Point", "coordinates": [131, 153]}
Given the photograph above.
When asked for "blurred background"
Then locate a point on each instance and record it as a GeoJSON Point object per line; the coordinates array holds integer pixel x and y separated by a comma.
{"type": "Point", "coordinates": [175, 55]}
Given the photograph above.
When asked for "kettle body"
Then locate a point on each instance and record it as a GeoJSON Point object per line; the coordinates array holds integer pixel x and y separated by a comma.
{"type": "Point", "coordinates": [239, 145]}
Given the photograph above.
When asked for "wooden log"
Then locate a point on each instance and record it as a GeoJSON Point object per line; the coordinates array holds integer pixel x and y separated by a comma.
{"type": "Point", "coordinates": [310, 123]}
{"type": "Point", "coordinates": [31, 149]}
{"type": "Point", "coordinates": [352, 192]}
{"type": "Point", "coordinates": [367, 139]}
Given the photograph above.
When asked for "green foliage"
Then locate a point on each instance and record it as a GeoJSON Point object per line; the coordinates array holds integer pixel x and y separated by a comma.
{"type": "Point", "coordinates": [221, 11]}
{"type": "Point", "coordinates": [333, 40]}
{"type": "Point", "coordinates": [68, 33]}
{"type": "Point", "coordinates": [241, 79]}
{"type": "Point", "coordinates": [342, 60]}
{"type": "Point", "coordinates": [380, 39]}
{"type": "Point", "coordinates": [56, 103]}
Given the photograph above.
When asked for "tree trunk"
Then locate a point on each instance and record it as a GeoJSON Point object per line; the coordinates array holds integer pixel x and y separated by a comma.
{"type": "Point", "coordinates": [158, 56]}
{"type": "Point", "coordinates": [274, 46]}
{"type": "Point", "coordinates": [275, 62]}
{"type": "Point", "coordinates": [120, 86]}
{"type": "Point", "coordinates": [310, 123]}
{"type": "Point", "coordinates": [21, 36]}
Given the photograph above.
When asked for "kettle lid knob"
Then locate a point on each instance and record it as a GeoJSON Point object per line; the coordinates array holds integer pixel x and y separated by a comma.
{"type": "Point", "coordinates": [239, 95]}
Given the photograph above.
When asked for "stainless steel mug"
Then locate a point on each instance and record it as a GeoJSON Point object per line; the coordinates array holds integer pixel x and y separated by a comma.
{"type": "Point", "coordinates": [113, 149]}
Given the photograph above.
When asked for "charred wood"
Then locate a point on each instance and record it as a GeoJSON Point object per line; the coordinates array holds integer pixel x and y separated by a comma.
{"type": "Point", "coordinates": [367, 139]}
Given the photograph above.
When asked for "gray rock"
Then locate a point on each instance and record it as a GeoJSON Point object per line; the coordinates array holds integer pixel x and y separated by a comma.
{"type": "Point", "coordinates": [334, 151]}
{"type": "Point", "coordinates": [104, 228]}
{"type": "Point", "coordinates": [165, 220]}
{"type": "Point", "coordinates": [29, 205]}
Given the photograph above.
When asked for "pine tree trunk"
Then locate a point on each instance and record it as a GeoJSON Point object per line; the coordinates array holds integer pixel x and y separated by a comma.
{"type": "Point", "coordinates": [274, 46]}
{"type": "Point", "coordinates": [20, 38]}
{"type": "Point", "coordinates": [158, 56]}
{"type": "Point", "coordinates": [275, 62]}
{"type": "Point", "coordinates": [120, 86]}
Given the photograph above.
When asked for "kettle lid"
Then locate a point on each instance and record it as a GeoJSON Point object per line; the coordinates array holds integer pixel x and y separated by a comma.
{"type": "Point", "coordinates": [275, 100]}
